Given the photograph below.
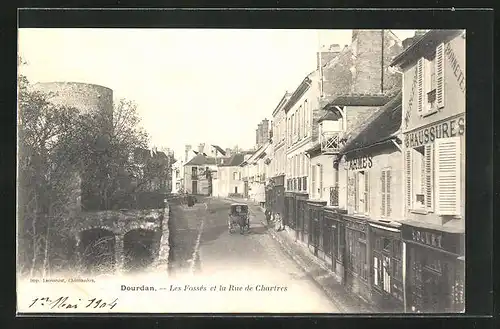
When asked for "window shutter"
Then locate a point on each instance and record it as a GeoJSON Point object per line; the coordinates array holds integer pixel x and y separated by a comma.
{"type": "Point", "coordinates": [313, 180]}
{"type": "Point", "coordinates": [320, 180]}
{"type": "Point", "coordinates": [448, 176]}
{"type": "Point", "coordinates": [420, 89]}
{"type": "Point", "coordinates": [356, 192]}
{"type": "Point", "coordinates": [383, 184]}
{"type": "Point", "coordinates": [388, 192]}
{"type": "Point", "coordinates": [440, 75]}
{"type": "Point", "coordinates": [367, 191]}
{"type": "Point", "coordinates": [408, 172]}
{"type": "Point", "coordinates": [429, 161]}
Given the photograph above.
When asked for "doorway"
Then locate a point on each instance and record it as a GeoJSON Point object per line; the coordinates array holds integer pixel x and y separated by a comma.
{"type": "Point", "coordinates": [194, 187]}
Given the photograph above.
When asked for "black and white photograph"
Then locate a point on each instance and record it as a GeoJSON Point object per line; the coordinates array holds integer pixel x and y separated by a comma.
{"type": "Point", "coordinates": [170, 170]}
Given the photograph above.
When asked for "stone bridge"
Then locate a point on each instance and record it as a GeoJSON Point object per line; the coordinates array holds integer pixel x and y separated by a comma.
{"type": "Point", "coordinates": [115, 239]}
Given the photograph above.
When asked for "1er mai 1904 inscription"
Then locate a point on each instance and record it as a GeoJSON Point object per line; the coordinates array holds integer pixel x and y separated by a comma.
{"type": "Point", "coordinates": [219, 171]}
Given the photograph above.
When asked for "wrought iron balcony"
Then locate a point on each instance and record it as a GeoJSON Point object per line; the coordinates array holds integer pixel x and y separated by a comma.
{"type": "Point", "coordinates": [330, 141]}
{"type": "Point", "coordinates": [334, 196]}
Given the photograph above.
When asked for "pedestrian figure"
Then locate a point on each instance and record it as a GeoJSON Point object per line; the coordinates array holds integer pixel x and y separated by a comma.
{"type": "Point", "coordinates": [279, 222]}
{"type": "Point", "coordinates": [268, 216]}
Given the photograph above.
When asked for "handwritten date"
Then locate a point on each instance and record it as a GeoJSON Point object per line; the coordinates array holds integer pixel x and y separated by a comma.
{"type": "Point", "coordinates": [64, 302]}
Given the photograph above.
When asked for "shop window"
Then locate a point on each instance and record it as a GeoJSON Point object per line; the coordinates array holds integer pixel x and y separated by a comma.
{"type": "Point", "coordinates": [362, 188]}
{"type": "Point", "coordinates": [387, 266]}
{"type": "Point", "coordinates": [356, 253]}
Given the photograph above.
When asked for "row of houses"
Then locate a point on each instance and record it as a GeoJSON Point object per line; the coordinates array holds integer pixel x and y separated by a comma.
{"type": "Point", "coordinates": [365, 164]}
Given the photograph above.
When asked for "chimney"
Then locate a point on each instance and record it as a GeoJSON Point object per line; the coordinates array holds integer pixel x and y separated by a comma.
{"type": "Point", "coordinates": [201, 147]}
{"type": "Point", "coordinates": [324, 57]}
{"type": "Point", "coordinates": [265, 131]}
{"type": "Point", "coordinates": [259, 134]}
{"type": "Point", "coordinates": [188, 148]}
{"type": "Point", "coordinates": [373, 51]}
{"type": "Point", "coordinates": [408, 42]}
{"type": "Point", "coordinates": [419, 33]}
{"type": "Point", "coordinates": [257, 137]}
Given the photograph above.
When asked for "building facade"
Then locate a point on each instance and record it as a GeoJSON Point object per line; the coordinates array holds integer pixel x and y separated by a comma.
{"type": "Point", "coordinates": [353, 85]}
{"type": "Point", "coordinates": [371, 170]}
{"type": "Point", "coordinates": [433, 68]}
{"type": "Point", "coordinates": [198, 174]}
{"type": "Point", "coordinates": [276, 198]}
{"type": "Point", "coordinates": [229, 182]}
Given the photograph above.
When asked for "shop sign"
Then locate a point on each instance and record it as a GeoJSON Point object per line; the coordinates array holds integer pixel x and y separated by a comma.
{"type": "Point", "coordinates": [360, 163]}
{"type": "Point", "coordinates": [450, 128]}
{"type": "Point", "coordinates": [427, 238]}
{"type": "Point", "coordinates": [455, 66]}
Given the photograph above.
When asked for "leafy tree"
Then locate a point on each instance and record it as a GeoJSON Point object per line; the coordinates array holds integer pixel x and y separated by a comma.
{"type": "Point", "coordinates": [46, 174]}
{"type": "Point", "coordinates": [68, 159]}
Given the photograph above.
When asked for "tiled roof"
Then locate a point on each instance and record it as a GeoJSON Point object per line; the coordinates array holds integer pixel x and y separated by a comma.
{"type": "Point", "coordinates": [200, 160]}
{"type": "Point", "coordinates": [421, 44]}
{"type": "Point", "coordinates": [219, 149]}
{"type": "Point", "coordinates": [379, 128]}
{"type": "Point", "coordinates": [330, 115]}
{"type": "Point", "coordinates": [360, 100]}
{"type": "Point", "coordinates": [233, 161]}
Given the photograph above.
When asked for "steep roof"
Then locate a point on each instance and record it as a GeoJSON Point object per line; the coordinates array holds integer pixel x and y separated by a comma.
{"type": "Point", "coordinates": [219, 149]}
{"type": "Point", "coordinates": [380, 128]}
{"type": "Point", "coordinates": [422, 44]}
{"type": "Point", "coordinates": [233, 161]}
{"type": "Point", "coordinates": [201, 159]}
{"type": "Point", "coordinates": [353, 99]}
{"type": "Point", "coordinates": [330, 115]}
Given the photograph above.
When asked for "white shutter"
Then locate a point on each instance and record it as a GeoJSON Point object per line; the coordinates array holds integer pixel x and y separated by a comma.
{"type": "Point", "coordinates": [440, 75]}
{"type": "Point", "coordinates": [388, 193]}
{"type": "Point", "coordinates": [367, 191]}
{"type": "Point", "coordinates": [356, 191]}
{"type": "Point", "coordinates": [408, 171]}
{"type": "Point", "coordinates": [320, 180]}
{"type": "Point", "coordinates": [447, 154]}
{"type": "Point", "coordinates": [383, 184]}
{"type": "Point", "coordinates": [420, 88]}
{"type": "Point", "coordinates": [313, 181]}
{"type": "Point", "coordinates": [429, 179]}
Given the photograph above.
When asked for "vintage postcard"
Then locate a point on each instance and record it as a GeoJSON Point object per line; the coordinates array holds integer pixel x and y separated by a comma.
{"type": "Point", "coordinates": [241, 171]}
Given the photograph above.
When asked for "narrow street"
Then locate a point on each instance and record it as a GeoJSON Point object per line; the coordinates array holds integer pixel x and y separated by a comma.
{"type": "Point", "coordinates": [202, 246]}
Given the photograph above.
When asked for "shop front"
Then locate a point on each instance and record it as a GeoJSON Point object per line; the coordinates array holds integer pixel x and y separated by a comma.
{"type": "Point", "coordinates": [357, 260]}
{"type": "Point", "coordinates": [314, 218]}
{"type": "Point", "coordinates": [435, 270]}
{"type": "Point", "coordinates": [278, 195]}
{"type": "Point", "coordinates": [387, 256]}
{"type": "Point", "coordinates": [333, 243]}
{"type": "Point", "coordinates": [302, 228]}
{"type": "Point", "coordinates": [289, 218]}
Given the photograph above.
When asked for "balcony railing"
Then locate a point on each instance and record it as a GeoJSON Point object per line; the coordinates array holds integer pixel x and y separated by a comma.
{"type": "Point", "coordinates": [194, 177]}
{"type": "Point", "coordinates": [334, 196]}
{"type": "Point", "coordinates": [330, 142]}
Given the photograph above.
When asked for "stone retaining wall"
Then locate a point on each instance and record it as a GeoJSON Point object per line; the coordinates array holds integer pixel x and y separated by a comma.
{"type": "Point", "coordinates": [161, 263]}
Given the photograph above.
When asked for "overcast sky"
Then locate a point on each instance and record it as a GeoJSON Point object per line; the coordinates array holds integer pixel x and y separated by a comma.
{"type": "Point", "coordinates": [191, 85]}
